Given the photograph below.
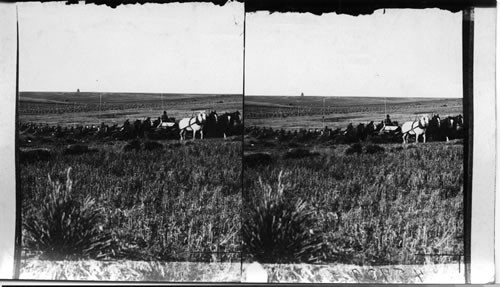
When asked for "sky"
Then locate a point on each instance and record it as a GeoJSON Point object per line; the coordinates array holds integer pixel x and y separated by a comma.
{"type": "Point", "coordinates": [391, 53]}
{"type": "Point", "coordinates": [157, 48]}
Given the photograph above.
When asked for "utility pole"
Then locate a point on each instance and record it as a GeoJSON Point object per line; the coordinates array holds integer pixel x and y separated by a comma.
{"type": "Point", "coordinates": [324, 112]}
{"type": "Point", "coordinates": [100, 103]}
{"type": "Point", "coordinates": [385, 105]}
{"type": "Point", "coordinates": [100, 99]}
{"type": "Point", "coordinates": [298, 108]}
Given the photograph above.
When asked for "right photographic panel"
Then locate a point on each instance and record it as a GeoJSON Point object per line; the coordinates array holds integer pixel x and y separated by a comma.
{"type": "Point", "coordinates": [355, 146]}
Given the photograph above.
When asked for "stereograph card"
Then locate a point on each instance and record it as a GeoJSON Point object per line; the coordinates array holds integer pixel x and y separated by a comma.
{"type": "Point", "coordinates": [249, 141]}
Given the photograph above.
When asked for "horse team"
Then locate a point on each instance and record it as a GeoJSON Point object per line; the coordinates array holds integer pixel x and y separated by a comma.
{"type": "Point", "coordinates": [437, 129]}
{"type": "Point", "coordinates": [422, 128]}
{"type": "Point", "coordinates": [202, 123]}
{"type": "Point", "coordinates": [223, 124]}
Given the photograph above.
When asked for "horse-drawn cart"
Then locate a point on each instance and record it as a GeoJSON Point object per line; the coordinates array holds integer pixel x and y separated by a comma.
{"type": "Point", "coordinates": [393, 129]}
{"type": "Point", "coordinates": [168, 128]}
{"type": "Point", "coordinates": [387, 133]}
{"type": "Point", "coordinates": [167, 124]}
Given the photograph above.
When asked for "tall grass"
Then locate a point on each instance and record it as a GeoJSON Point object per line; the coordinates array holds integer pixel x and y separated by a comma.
{"type": "Point", "coordinates": [180, 203]}
{"type": "Point", "coordinates": [65, 227]}
{"type": "Point", "coordinates": [278, 230]}
{"type": "Point", "coordinates": [396, 207]}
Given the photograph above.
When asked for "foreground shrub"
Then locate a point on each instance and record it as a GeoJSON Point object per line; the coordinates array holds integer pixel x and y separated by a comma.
{"type": "Point", "coordinates": [371, 149]}
{"type": "Point", "coordinates": [152, 145]}
{"type": "Point", "coordinates": [299, 153]}
{"type": "Point", "coordinates": [354, 148]}
{"type": "Point", "coordinates": [66, 228]}
{"type": "Point", "coordinates": [76, 149]}
{"type": "Point", "coordinates": [34, 155]}
{"type": "Point", "coordinates": [280, 231]}
{"type": "Point", "coordinates": [132, 145]}
{"type": "Point", "coordinates": [257, 159]}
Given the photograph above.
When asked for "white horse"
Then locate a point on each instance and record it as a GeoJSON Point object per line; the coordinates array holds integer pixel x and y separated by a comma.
{"type": "Point", "coordinates": [193, 124]}
{"type": "Point", "coordinates": [417, 128]}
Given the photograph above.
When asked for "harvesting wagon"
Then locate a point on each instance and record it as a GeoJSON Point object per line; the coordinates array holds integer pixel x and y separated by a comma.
{"type": "Point", "coordinates": [167, 128]}
{"type": "Point", "coordinates": [168, 124]}
{"type": "Point", "coordinates": [392, 129]}
{"type": "Point", "coordinates": [387, 132]}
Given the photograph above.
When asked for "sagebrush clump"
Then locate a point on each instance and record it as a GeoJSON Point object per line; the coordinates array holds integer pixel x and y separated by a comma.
{"type": "Point", "coordinates": [281, 230]}
{"type": "Point", "coordinates": [65, 227]}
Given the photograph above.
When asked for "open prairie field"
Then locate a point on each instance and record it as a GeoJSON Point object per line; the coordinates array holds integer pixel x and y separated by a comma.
{"type": "Point", "coordinates": [289, 112]}
{"type": "Point", "coordinates": [71, 108]}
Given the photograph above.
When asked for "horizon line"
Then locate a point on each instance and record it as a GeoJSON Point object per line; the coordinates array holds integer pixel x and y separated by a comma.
{"type": "Point", "coordinates": [319, 96]}
{"type": "Point", "coordinates": [153, 93]}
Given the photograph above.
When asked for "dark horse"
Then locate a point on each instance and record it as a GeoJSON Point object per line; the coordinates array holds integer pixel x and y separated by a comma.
{"type": "Point", "coordinates": [452, 127]}
{"type": "Point", "coordinates": [434, 130]}
{"type": "Point", "coordinates": [210, 127]}
{"type": "Point", "coordinates": [136, 130]}
{"type": "Point", "coordinates": [228, 123]}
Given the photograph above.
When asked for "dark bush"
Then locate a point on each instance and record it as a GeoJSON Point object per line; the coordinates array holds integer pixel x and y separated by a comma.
{"type": "Point", "coordinates": [152, 145]}
{"type": "Point", "coordinates": [132, 145]}
{"type": "Point", "coordinates": [299, 153]}
{"type": "Point", "coordinates": [398, 148]}
{"type": "Point", "coordinates": [257, 159]}
{"type": "Point", "coordinates": [354, 148]}
{"type": "Point", "coordinates": [76, 149]}
{"type": "Point", "coordinates": [29, 156]}
{"type": "Point", "coordinates": [236, 138]}
{"type": "Point", "coordinates": [259, 143]}
{"type": "Point", "coordinates": [371, 149]}
{"type": "Point", "coordinates": [340, 139]}
{"type": "Point", "coordinates": [157, 135]}
{"type": "Point", "coordinates": [46, 140]}
{"type": "Point", "coordinates": [174, 145]}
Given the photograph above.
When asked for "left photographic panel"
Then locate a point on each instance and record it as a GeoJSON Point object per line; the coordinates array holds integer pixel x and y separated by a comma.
{"type": "Point", "coordinates": [130, 141]}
